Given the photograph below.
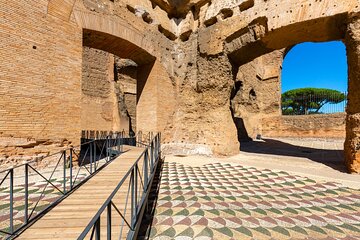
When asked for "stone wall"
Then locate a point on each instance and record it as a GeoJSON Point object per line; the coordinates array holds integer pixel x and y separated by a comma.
{"type": "Point", "coordinates": [99, 110]}
{"type": "Point", "coordinates": [155, 98]}
{"type": "Point", "coordinates": [127, 72]}
{"type": "Point", "coordinates": [313, 126]}
{"type": "Point", "coordinates": [256, 94]}
{"type": "Point", "coordinates": [352, 142]}
{"type": "Point", "coordinates": [108, 92]}
{"type": "Point", "coordinates": [40, 73]}
{"type": "Point", "coordinates": [188, 55]}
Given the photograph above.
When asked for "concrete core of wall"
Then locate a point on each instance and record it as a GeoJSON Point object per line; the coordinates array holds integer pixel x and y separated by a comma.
{"type": "Point", "coordinates": [190, 55]}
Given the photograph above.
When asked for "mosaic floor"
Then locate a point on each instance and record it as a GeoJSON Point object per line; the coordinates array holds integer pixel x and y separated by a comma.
{"type": "Point", "coordinates": [223, 201]}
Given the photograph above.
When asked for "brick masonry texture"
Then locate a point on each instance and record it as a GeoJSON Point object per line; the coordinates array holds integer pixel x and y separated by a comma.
{"type": "Point", "coordinates": [40, 71]}
{"type": "Point", "coordinates": [189, 56]}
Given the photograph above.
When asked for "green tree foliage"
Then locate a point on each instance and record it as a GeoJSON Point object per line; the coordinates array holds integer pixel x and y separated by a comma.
{"type": "Point", "coordinates": [309, 100]}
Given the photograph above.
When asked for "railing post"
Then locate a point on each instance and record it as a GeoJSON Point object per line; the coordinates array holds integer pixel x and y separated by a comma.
{"type": "Point", "coordinates": [118, 141]}
{"type": "Point", "coordinates": [151, 156]}
{"type": "Point", "coordinates": [107, 148]}
{"type": "Point", "coordinates": [136, 168]}
{"type": "Point", "coordinates": [97, 228]}
{"type": "Point", "coordinates": [12, 200]}
{"type": "Point", "coordinates": [156, 147]}
{"type": "Point", "coordinates": [132, 198]}
{"type": "Point", "coordinates": [71, 166]}
{"type": "Point", "coordinates": [95, 155]}
{"type": "Point", "coordinates": [122, 136]}
{"type": "Point", "coordinates": [109, 221]}
{"type": "Point", "coordinates": [146, 170]}
{"type": "Point", "coordinates": [91, 156]}
{"type": "Point", "coordinates": [26, 197]}
{"type": "Point", "coordinates": [64, 173]}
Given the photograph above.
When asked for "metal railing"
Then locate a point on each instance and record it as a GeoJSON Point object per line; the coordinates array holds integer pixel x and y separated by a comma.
{"type": "Point", "coordinates": [130, 138]}
{"type": "Point", "coordinates": [29, 187]}
{"type": "Point", "coordinates": [139, 178]}
{"type": "Point", "coordinates": [318, 103]}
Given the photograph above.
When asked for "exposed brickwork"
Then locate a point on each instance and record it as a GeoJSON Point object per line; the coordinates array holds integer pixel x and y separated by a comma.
{"type": "Point", "coordinates": [256, 94]}
{"type": "Point", "coordinates": [39, 73]}
{"type": "Point", "coordinates": [98, 109]}
{"type": "Point", "coordinates": [316, 126]}
{"type": "Point", "coordinates": [127, 79]}
{"type": "Point", "coordinates": [186, 65]}
{"type": "Point", "coordinates": [96, 71]}
{"type": "Point", "coordinates": [108, 92]}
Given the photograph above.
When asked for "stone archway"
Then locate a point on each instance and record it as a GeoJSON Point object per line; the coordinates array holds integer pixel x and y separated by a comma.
{"type": "Point", "coordinates": [155, 91]}
{"type": "Point", "coordinates": [330, 28]}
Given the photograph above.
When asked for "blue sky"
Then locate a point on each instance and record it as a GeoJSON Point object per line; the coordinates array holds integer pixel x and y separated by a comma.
{"type": "Point", "coordinates": [320, 65]}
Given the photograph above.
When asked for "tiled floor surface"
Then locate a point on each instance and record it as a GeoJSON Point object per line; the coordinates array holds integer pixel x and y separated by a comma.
{"type": "Point", "coordinates": [227, 201]}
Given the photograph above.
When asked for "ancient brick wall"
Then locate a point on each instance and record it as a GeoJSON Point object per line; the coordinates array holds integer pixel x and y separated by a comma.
{"type": "Point", "coordinates": [127, 72]}
{"type": "Point", "coordinates": [187, 54]}
{"type": "Point", "coordinates": [40, 71]}
{"type": "Point", "coordinates": [108, 92]}
{"type": "Point", "coordinates": [98, 98]}
{"type": "Point", "coordinates": [314, 126]}
{"type": "Point", "coordinates": [155, 98]}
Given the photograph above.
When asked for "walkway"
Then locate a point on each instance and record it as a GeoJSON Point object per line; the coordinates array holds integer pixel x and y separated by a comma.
{"type": "Point", "coordinates": [69, 219]}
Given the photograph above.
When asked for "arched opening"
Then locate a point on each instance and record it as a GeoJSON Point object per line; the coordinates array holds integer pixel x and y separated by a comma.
{"type": "Point", "coordinates": [123, 80]}
{"type": "Point", "coordinates": [314, 79]}
{"type": "Point", "coordinates": [317, 132]}
{"type": "Point", "coordinates": [270, 40]}
{"type": "Point", "coordinates": [108, 92]}
{"type": "Point", "coordinates": [314, 83]}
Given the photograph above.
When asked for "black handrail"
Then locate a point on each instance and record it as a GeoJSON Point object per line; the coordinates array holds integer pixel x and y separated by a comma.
{"type": "Point", "coordinates": [137, 207]}
{"type": "Point", "coordinates": [66, 155]}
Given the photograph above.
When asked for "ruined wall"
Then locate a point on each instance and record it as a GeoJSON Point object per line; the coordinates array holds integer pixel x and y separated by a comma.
{"type": "Point", "coordinates": [155, 98]}
{"type": "Point", "coordinates": [257, 93]}
{"type": "Point", "coordinates": [352, 142]}
{"type": "Point", "coordinates": [99, 110]}
{"type": "Point", "coordinates": [314, 126]}
{"type": "Point", "coordinates": [236, 34]}
{"type": "Point", "coordinates": [41, 45]}
{"type": "Point", "coordinates": [40, 58]}
{"type": "Point", "coordinates": [246, 29]}
{"type": "Point", "coordinates": [188, 55]}
{"type": "Point", "coordinates": [40, 72]}
{"type": "Point", "coordinates": [127, 74]}
{"type": "Point", "coordinates": [203, 115]}
{"type": "Point", "coordinates": [108, 92]}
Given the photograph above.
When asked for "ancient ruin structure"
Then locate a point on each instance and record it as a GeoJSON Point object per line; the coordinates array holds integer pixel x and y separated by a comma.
{"type": "Point", "coordinates": [200, 67]}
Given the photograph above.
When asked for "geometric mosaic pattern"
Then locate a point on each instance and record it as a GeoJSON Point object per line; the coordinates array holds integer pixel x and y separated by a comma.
{"type": "Point", "coordinates": [223, 201]}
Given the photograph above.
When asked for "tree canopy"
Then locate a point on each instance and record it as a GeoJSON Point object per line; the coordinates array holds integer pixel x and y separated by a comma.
{"type": "Point", "coordinates": [309, 100]}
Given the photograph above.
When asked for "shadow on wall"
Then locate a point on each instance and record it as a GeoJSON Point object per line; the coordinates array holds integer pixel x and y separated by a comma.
{"type": "Point", "coordinates": [242, 133]}
{"type": "Point", "coordinates": [239, 122]}
{"type": "Point", "coordinates": [331, 158]}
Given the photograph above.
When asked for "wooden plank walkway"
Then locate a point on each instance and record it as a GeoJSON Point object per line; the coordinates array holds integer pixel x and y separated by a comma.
{"type": "Point", "coordinates": [69, 218]}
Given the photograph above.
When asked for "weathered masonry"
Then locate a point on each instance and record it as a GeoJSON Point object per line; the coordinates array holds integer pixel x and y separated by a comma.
{"type": "Point", "coordinates": [192, 60]}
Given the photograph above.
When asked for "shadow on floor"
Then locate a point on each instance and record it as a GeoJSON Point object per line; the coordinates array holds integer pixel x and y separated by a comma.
{"type": "Point", "coordinates": [330, 157]}
{"type": "Point", "coordinates": [147, 221]}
